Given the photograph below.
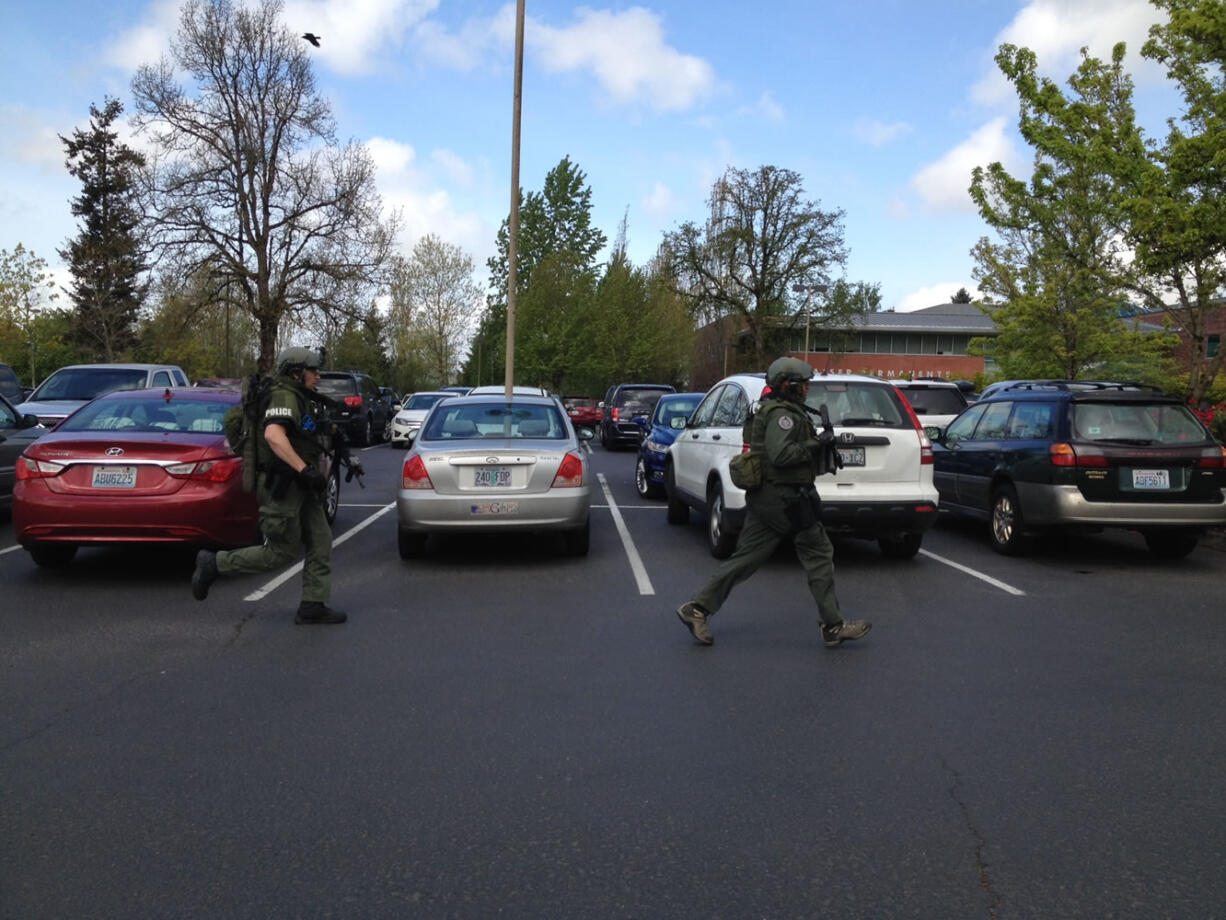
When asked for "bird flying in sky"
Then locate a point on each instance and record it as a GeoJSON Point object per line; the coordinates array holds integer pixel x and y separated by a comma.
{"type": "Point", "coordinates": [312, 38]}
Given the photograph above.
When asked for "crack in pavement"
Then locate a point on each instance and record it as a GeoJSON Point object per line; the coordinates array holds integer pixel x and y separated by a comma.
{"type": "Point", "coordinates": [981, 867]}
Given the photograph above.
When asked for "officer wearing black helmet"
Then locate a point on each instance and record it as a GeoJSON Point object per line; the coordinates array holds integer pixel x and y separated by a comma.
{"type": "Point", "coordinates": [785, 505]}
{"type": "Point", "coordinates": [290, 486]}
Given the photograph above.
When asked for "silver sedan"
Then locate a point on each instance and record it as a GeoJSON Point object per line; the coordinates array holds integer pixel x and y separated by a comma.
{"type": "Point", "coordinates": [483, 464]}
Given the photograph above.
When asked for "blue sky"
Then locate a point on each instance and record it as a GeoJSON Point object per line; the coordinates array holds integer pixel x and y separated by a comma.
{"type": "Point", "coordinates": [882, 106]}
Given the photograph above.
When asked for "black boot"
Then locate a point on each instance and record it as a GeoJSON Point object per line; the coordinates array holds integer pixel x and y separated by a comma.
{"type": "Point", "coordinates": [318, 612]}
{"type": "Point", "coordinates": [205, 574]}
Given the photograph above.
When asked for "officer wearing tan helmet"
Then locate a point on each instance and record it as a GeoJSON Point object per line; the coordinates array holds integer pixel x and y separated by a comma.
{"type": "Point", "coordinates": [293, 439]}
{"type": "Point", "coordinates": [786, 504]}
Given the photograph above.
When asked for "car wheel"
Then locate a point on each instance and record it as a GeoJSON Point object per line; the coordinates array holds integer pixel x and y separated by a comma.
{"type": "Point", "coordinates": [1170, 544]}
{"type": "Point", "coordinates": [641, 481]}
{"type": "Point", "coordinates": [720, 537]}
{"type": "Point", "coordinates": [678, 511]}
{"type": "Point", "coordinates": [367, 436]}
{"type": "Point", "coordinates": [332, 495]}
{"type": "Point", "coordinates": [54, 556]}
{"type": "Point", "coordinates": [904, 547]}
{"type": "Point", "coordinates": [1005, 525]}
{"type": "Point", "coordinates": [411, 545]}
{"type": "Point", "coordinates": [605, 441]}
{"type": "Point", "coordinates": [578, 541]}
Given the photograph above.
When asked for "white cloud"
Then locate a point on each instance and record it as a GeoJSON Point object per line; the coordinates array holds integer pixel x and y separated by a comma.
{"type": "Point", "coordinates": [627, 54]}
{"type": "Point", "coordinates": [934, 294]}
{"type": "Point", "coordinates": [943, 185]}
{"type": "Point", "coordinates": [26, 136]}
{"type": "Point", "coordinates": [660, 202]}
{"type": "Point", "coordinates": [426, 206]}
{"type": "Point", "coordinates": [878, 133]}
{"type": "Point", "coordinates": [770, 108]}
{"type": "Point", "coordinates": [1056, 31]}
{"type": "Point", "coordinates": [147, 41]}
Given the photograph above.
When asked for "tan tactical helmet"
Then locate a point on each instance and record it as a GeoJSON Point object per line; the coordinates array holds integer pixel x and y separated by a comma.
{"type": "Point", "coordinates": [785, 369]}
{"type": "Point", "coordinates": [299, 357]}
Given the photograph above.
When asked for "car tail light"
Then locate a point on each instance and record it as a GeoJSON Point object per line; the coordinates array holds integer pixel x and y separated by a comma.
{"type": "Point", "coordinates": [221, 470]}
{"type": "Point", "coordinates": [354, 402]}
{"type": "Point", "coordinates": [745, 448]}
{"type": "Point", "coordinates": [415, 475]}
{"type": "Point", "coordinates": [616, 414]}
{"type": "Point", "coordinates": [570, 472]}
{"type": "Point", "coordinates": [925, 443]}
{"type": "Point", "coordinates": [1066, 455]}
{"type": "Point", "coordinates": [1212, 458]}
{"type": "Point", "coordinates": [33, 468]}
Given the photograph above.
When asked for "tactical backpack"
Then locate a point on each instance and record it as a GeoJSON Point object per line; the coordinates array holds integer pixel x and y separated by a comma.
{"type": "Point", "coordinates": [745, 469]}
{"type": "Point", "coordinates": [242, 423]}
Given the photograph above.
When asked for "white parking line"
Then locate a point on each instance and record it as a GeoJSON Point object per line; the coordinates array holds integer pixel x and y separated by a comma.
{"type": "Point", "coordinates": [975, 574]}
{"type": "Point", "coordinates": [294, 569]}
{"type": "Point", "coordinates": [10, 549]}
{"type": "Point", "coordinates": [632, 554]}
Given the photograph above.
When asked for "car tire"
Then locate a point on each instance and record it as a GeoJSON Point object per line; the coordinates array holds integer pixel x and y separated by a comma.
{"type": "Point", "coordinates": [721, 538]}
{"type": "Point", "coordinates": [366, 438]}
{"type": "Point", "coordinates": [332, 494]}
{"type": "Point", "coordinates": [605, 441]}
{"type": "Point", "coordinates": [579, 541]}
{"type": "Point", "coordinates": [1170, 544]}
{"type": "Point", "coordinates": [52, 556]}
{"type": "Point", "coordinates": [904, 547]}
{"type": "Point", "coordinates": [678, 511]}
{"type": "Point", "coordinates": [411, 545]}
{"type": "Point", "coordinates": [642, 483]}
{"type": "Point", "coordinates": [1006, 524]}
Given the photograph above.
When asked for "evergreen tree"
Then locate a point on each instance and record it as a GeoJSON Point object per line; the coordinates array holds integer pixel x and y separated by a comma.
{"type": "Point", "coordinates": [962, 296]}
{"type": "Point", "coordinates": [105, 258]}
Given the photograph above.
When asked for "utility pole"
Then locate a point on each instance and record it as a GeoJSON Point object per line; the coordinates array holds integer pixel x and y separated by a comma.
{"type": "Point", "coordinates": [513, 236]}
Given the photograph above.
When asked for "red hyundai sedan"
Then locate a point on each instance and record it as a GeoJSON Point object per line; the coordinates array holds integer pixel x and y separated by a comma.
{"type": "Point", "coordinates": [134, 466]}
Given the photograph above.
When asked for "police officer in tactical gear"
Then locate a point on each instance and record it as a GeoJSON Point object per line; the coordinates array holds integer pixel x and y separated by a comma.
{"type": "Point", "coordinates": [293, 439]}
{"type": "Point", "coordinates": [786, 504]}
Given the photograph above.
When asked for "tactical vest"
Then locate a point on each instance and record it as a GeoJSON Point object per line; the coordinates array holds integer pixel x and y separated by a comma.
{"type": "Point", "coordinates": [802, 430]}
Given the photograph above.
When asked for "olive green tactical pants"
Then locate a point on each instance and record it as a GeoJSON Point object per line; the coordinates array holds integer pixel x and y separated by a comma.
{"type": "Point", "coordinates": [757, 542]}
{"type": "Point", "coordinates": [289, 524]}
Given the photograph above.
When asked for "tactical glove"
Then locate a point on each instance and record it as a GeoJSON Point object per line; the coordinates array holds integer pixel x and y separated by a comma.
{"type": "Point", "coordinates": [312, 479]}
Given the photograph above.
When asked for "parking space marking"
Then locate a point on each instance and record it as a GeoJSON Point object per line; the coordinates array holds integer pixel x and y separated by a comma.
{"type": "Point", "coordinates": [294, 569]}
{"type": "Point", "coordinates": [632, 554]}
{"type": "Point", "coordinates": [10, 549]}
{"type": "Point", "coordinates": [1018, 592]}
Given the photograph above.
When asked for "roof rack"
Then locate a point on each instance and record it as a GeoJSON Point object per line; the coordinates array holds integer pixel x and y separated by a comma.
{"type": "Point", "coordinates": [1081, 385]}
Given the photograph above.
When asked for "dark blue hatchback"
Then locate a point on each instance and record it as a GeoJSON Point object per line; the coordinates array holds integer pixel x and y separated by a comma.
{"type": "Point", "coordinates": [666, 422]}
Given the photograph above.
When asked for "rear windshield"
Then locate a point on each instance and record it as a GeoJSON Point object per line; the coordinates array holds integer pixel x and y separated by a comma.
{"type": "Point", "coordinates": [152, 413]}
{"type": "Point", "coordinates": [9, 385]}
{"type": "Point", "coordinates": [88, 382]}
{"type": "Point", "coordinates": [1136, 423]}
{"type": "Point", "coordinates": [669, 409]}
{"type": "Point", "coordinates": [578, 402]}
{"type": "Point", "coordinates": [422, 400]}
{"type": "Point", "coordinates": [934, 400]}
{"type": "Point", "coordinates": [337, 386]}
{"type": "Point", "coordinates": [856, 404]}
{"type": "Point", "coordinates": [495, 420]}
{"type": "Point", "coordinates": [635, 401]}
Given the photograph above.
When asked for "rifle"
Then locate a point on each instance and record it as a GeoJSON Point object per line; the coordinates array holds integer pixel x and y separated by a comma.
{"type": "Point", "coordinates": [353, 468]}
{"type": "Point", "coordinates": [828, 457]}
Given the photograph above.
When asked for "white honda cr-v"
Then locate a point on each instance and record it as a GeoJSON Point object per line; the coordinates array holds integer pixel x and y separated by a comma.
{"type": "Point", "coordinates": [884, 490]}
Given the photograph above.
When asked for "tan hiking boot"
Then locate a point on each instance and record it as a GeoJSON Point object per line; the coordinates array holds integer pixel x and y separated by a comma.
{"type": "Point", "coordinates": [844, 632]}
{"type": "Point", "coordinates": [695, 618]}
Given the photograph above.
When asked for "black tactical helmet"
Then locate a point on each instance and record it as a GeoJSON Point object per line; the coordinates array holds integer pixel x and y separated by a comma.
{"type": "Point", "coordinates": [785, 369]}
{"type": "Point", "coordinates": [299, 357]}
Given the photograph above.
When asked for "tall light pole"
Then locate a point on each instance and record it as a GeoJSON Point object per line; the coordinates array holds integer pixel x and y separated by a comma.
{"type": "Point", "coordinates": [808, 290]}
{"type": "Point", "coordinates": [513, 234]}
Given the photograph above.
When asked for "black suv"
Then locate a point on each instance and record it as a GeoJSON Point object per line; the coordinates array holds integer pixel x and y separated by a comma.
{"type": "Point", "coordinates": [622, 404]}
{"type": "Point", "coordinates": [10, 387]}
{"type": "Point", "coordinates": [364, 414]}
{"type": "Point", "coordinates": [1082, 455]}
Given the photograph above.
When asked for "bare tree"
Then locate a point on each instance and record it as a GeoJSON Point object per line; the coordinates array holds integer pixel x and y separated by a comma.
{"type": "Point", "coordinates": [435, 304]}
{"type": "Point", "coordinates": [249, 182]}
{"type": "Point", "coordinates": [762, 241]}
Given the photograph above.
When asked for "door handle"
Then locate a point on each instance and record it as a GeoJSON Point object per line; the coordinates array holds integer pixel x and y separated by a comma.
{"type": "Point", "coordinates": [715, 437]}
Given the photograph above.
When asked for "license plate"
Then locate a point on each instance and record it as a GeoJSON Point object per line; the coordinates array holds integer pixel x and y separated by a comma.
{"type": "Point", "coordinates": [492, 477]}
{"type": "Point", "coordinates": [1151, 479]}
{"type": "Point", "coordinates": [852, 456]}
{"type": "Point", "coordinates": [494, 508]}
{"type": "Point", "coordinates": [114, 477]}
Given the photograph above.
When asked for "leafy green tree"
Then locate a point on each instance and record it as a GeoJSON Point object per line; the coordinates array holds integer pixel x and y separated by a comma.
{"type": "Point", "coordinates": [26, 288]}
{"type": "Point", "coordinates": [762, 240]}
{"type": "Point", "coordinates": [250, 182]}
{"type": "Point", "coordinates": [105, 258]}
{"type": "Point", "coordinates": [553, 333]}
{"type": "Point", "coordinates": [1056, 270]}
{"type": "Point", "coordinates": [1175, 197]}
{"type": "Point", "coordinates": [360, 346]}
{"type": "Point", "coordinates": [962, 296]}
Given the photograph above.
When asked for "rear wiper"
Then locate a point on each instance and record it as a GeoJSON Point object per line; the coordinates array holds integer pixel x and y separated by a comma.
{"type": "Point", "coordinates": [854, 422]}
{"type": "Point", "coordinates": [1131, 442]}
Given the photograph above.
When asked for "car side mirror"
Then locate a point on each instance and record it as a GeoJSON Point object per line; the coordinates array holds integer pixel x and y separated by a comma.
{"type": "Point", "coordinates": [934, 432]}
{"type": "Point", "coordinates": [583, 433]}
{"type": "Point", "coordinates": [641, 421]}
{"type": "Point", "coordinates": [678, 422]}
{"type": "Point", "coordinates": [28, 421]}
